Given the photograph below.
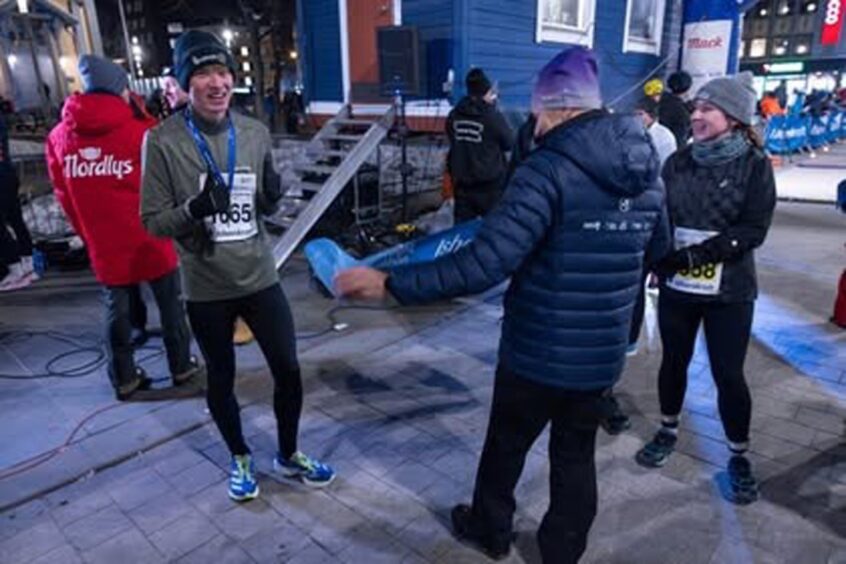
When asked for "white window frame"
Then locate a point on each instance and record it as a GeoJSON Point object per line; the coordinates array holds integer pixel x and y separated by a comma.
{"type": "Point", "coordinates": [638, 45]}
{"type": "Point", "coordinates": [581, 34]}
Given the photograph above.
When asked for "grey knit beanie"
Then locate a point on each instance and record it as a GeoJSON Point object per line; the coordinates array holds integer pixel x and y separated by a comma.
{"type": "Point", "coordinates": [102, 75]}
{"type": "Point", "coordinates": [732, 94]}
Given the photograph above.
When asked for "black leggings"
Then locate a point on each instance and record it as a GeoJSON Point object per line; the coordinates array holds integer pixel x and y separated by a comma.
{"type": "Point", "coordinates": [727, 331]}
{"type": "Point", "coordinates": [269, 317]}
{"type": "Point", "coordinates": [12, 248]}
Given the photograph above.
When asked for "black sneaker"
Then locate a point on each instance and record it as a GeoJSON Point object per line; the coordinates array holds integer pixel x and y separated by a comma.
{"type": "Point", "coordinates": [743, 487]}
{"type": "Point", "coordinates": [616, 422]}
{"type": "Point", "coordinates": [658, 450]}
{"type": "Point", "coordinates": [462, 528]}
{"type": "Point", "coordinates": [194, 369]}
{"type": "Point", "coordinates": [140, 383]}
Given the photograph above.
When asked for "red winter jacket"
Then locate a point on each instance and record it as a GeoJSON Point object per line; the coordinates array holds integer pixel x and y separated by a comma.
{"type": "Point", "coordinates": [94, 160]}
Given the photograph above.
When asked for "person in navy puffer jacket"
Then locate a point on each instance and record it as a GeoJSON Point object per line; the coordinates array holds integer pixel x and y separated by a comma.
{"type": "Point", "coordinates": [573, 228]}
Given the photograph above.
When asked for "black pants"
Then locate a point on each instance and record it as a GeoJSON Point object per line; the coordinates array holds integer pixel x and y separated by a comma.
{"type": "Point", "coordinates": [727, 331]}
{"type": "Point", "coordinates": [119, 324]}
{"type": "Point", "coordinates": [521, 409]}
{"type": "Point", "coordinates": [12, 248]}
{"type": "Point", "coordinates": [639, 310]}
{"type": "Point", "coordinates": [137, 308]}
{"type": "Point", "coordinates": [475, 200]}
{"type": "Point", "coordinates": [269, 317]}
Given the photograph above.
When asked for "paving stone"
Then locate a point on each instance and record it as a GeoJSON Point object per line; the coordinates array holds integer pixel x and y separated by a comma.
{"type": "Point", "coordinates": [22, 518]}
{"type": "Point", "coordinates": [31, 543]}
{"type": "Point", "coordinates": [243, 520]}
{"type": "Point", "coordinates": [184, 536]}
{"type": "Point", "coordinates": [196, 478]}
{"type": "Point", "coordinates": [65, 554]}
{"type": "Point", "coordinates": [88, 532]}
{"type": "Point", "coordinates": [370, 544]}
{"type": "Point", "coordinates": [160, 512]}
{"type": "Point", "coordinates": [822, 421]}
{"type": "Point", "coordinates": [313, 553]}
{"type": "Point", "coordinates": [127, 548]}
{"type": "Point", "coordinates": [220, 550]}
{"type": "Point", "coordinates": [68, 509]}
{"type": "Point", "coordinates": [278, 544]}
{"type": "Point", "coordinates": [138, 488]}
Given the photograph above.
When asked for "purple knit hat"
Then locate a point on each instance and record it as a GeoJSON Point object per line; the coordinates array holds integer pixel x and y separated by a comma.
{"type": "Point", "coordinates": [569, 80]}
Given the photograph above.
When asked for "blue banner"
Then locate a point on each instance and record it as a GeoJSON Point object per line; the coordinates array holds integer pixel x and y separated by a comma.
{"type": "Point", "coordinates": [327, 258]}
{"type": "Point", "coordinates": [817, 132]}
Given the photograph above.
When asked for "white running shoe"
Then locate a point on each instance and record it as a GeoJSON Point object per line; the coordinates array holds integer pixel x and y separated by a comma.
{"type": "Point", "coordinates": [15, 280]}
{"type": "Point", "coordinates": [29, 269]}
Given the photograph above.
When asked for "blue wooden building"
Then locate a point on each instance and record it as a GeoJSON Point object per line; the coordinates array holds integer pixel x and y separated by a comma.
{"type": "Point", "coordinates": [509, 39]}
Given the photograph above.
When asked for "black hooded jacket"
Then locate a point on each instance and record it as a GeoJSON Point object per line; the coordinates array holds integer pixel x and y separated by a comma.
{"type": "Point", "coordinates": [478, 136]}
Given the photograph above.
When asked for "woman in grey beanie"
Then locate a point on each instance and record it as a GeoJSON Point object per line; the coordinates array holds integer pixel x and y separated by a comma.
{"type": "Point", "coordinates": [720, 197]}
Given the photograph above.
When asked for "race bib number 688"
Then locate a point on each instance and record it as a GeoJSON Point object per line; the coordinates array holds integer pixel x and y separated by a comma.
{"type": "Point", "coordinates": [704, 279]}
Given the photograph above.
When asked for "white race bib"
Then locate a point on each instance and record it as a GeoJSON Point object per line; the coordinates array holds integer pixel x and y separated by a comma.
{"type": "Point", "coordinates": [239, 223]}
{"type": "Point", "coordinates": [704, 280]}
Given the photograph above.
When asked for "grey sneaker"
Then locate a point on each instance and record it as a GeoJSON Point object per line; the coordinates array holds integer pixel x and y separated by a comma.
{"type": "Point", "coordinates": [194, 370]}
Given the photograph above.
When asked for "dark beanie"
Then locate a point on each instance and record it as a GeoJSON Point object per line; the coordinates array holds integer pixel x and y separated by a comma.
{"type": "Point", "coordinates": [195, 49]}
{"type": "Point", "coordinates": [102, 75]}
{"type": "Point", "coordinates": [477, 83]}
{"type": "Point", "coordinates": [648, 105]}
{"type": "Point", "coordinates": [679, 82]}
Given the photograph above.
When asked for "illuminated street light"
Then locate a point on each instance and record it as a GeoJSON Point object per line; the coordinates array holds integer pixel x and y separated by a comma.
{"type": "Point", "coordinates": [228, 36]}
{"type": "Point", "coordinates": [293, 55]}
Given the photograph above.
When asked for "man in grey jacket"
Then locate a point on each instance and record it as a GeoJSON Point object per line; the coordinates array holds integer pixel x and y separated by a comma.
{"type": "Point", "coordinates": [207, 177]}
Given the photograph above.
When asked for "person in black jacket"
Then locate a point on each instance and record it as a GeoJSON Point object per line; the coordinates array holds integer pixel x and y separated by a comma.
{"type": "Point", "coordinates": [478, 137]}
{"type": "Point", "coordinates": [673, 111]}
{"type": "Point", "coordinates": [571, 231]}
{"type": "Point", "coordinates": [16, 267]}
{"type": "Point", "coordinates": [721, 197]}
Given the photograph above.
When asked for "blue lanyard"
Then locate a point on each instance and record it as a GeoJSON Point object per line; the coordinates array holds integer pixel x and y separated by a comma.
{"type": "Point", "coordinates": [206, 154]}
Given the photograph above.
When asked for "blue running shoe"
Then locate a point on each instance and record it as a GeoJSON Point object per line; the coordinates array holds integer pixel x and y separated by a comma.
{"type": "Point", "coordinates": [307, 470]}
{"type": "Point", "coordinates": [242, 481]}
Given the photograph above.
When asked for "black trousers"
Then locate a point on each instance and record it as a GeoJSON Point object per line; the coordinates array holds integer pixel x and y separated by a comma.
{"type": "Point", "coordinates": [521, 410]}
{"type": "Point", "coordinates": [475, 200]}
{"type": "Point", "coordinates": [137, 308]}
{"type": "Point", "coordinates": [119, 324]}
{"type": "Point", "coordinates": [11, 217]}
{"type": "Point", "coordinates": [269, 317]}
{"type": "Point", "coordinates": [727, 331]}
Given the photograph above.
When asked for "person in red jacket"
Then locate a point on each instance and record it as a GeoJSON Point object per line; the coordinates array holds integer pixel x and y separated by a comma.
{"type": "Point", "coordinates": [94, 162]}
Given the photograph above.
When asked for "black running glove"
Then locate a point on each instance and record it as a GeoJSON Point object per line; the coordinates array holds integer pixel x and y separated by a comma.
{"type": "Point", "coordinates": [214, 198]}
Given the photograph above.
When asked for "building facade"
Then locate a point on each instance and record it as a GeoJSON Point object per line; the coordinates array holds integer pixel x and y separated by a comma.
{"type": "Point", "coordinates": [510, 39]}
{"type": "Point", "coordinates": [39, 50]}
{"type": "Point", "coordinates": [800, 42]}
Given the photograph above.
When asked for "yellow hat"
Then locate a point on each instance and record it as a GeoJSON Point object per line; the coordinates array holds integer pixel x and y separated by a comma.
{"type": "Point", "coordinates": [653, 87]}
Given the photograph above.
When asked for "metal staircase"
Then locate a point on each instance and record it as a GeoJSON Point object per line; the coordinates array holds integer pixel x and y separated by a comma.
{"type": "Point", "coordinates": [335, 154]}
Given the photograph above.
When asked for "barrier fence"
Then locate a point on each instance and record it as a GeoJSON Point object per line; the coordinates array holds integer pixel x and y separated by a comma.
{"type": "Point", "coordinates": [792, 133]}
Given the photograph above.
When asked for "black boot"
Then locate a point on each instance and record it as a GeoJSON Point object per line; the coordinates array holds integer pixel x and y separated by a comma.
{"type": "Point", "coordinates": [463, 528]}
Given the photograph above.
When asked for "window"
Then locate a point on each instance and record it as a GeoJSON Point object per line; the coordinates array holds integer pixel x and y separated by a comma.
{"type": "Point", "coordinates": [802, 44]}
{"type": "Point", "coordinates": [784, 8]}
{"type": "Point", "coordinates": [644, 22]}
{"type": "Point", "coordinates": [566, 21]}
{"type": "Point", "coordinates": [781, 47]}
{"type": "Point", "coordinates": [758, 47]}
{"type": "Point", "coordinates": [809, 7]}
